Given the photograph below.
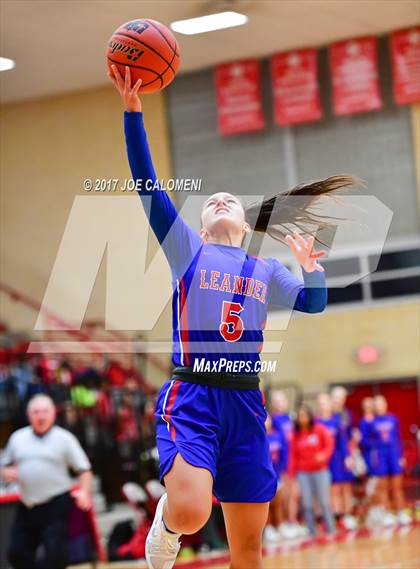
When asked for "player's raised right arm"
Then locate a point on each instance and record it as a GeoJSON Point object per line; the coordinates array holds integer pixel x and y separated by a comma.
{"type": "Point", "coordinates": [163, 216]}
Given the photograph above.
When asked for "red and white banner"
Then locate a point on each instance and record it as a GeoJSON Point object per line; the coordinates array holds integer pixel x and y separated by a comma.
{"type": "Point", "coordinates": [238, 92]}
{"type": "Point", "coordinates": [354, 69]}
{"type": "Point", "coordinates": [294, 77]}
{"type": "Point", "coordinates": [405, 56]}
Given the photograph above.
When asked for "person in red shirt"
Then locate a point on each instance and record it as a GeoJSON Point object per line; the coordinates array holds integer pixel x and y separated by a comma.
{"type": "Point", "coordinates": [310, 451]}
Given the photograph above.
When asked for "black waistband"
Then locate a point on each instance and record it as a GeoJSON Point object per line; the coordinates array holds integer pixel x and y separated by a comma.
{"type": "Point", "coordinates": [227, 380]}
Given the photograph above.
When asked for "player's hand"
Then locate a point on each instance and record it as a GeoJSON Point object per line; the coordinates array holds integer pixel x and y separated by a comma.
{"type": "Point", "coordinates": [349, 463]}
{"type": "Point", "coordinates": [303, 252]}
{"type": "Point", "coordinates": [129, 94]}
{"type": "Point", "coordinates": [82, 498]}
{"type": "Point", "coordinates": [9, 473]}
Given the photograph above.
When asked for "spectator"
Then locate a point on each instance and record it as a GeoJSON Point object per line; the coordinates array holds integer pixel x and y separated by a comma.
{"type": "Point", "coordinates": [387, 463]}
{"type": "Point", "coordinates": [310, 451]}
{"type": "Point", "coordinates": [343, 415]}
{"type": "Point", "coordinates": [279, 406]}
{"type": "Point", "coordinates": [365, 430]}
{"type": "Point", "coordinates": [71, 421]}
{"type": "Point", "coordinates": [38, 457]}
{"type": "Point", "coordinates": [340, 463]}
{"type": "Point", "coordinates": [277, 444]}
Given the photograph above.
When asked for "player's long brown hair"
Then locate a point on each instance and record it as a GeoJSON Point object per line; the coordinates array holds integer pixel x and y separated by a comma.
{"type": "Point", "coordinates": [281, 214]}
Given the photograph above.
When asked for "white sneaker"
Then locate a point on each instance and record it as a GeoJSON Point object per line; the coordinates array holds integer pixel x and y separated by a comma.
{"type": "Point", "coordinates": [290, 530]}
{"type": "Point", "coordinates": [403, 518]}
{"type": "Point", "coordinates": [375, 517]}
{"type": "Point", "coordinates": [162, 547]}
{"type": "Point", "coordinates": [282, 530]}
{"type": "Point", "coordinates": [389, 520]}
{"type": "Point", "coordinates": [271, 534]}
{"type": "Point", "coordinates": [303, 531]}
{"type": "Point", "coordinates": [349, 522]}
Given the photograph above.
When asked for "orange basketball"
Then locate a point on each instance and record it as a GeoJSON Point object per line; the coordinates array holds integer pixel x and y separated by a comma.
{"type": "Point", "coordinates": [150, 50]}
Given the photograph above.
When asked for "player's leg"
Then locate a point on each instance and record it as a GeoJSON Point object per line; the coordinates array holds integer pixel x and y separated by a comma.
{"type": "Point", "coordinates": [55, 533]}
{"type": "Point", "coordinates": [244, 527]}
{"type": "Point", "coordinates": [380, 471]}
{"type": "Point", "coordinates": [25, 538]}
{"type": "Point", "coordinates": [336, 498]}
{"type": "Point", "coordinates": [403, 517]}
{"type": "Point", "coordinates": [189, 502]}
{"type": "Point", "coordinates": [322, 482]}
{"type": "Point", "coordinates": [383, 492]}
{"type": "Point", "coordinates": [186, 436]}
{"type": "Point", "coordinates": [349, 521]}
{"type": "Point", "coordinates": [347, 496]}
{"type": "Point", "coordinates": [188, 449]}
{"type": "Point", "coordinates": [397, 492]}
{"type": "Point", "coordinates": [305, 488]}
{"type": "Point", "coordinates": [245, 482]}
{"type": "Point", "coordinates": [276, 508]}
{"type": "Point", "coordinates": [293, 500]}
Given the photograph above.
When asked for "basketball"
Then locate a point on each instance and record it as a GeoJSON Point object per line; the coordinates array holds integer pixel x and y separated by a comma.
{"type": "Point", "coordinates": [150, 50]}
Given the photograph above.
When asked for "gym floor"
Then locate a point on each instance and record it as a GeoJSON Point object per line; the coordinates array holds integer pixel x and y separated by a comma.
{"type": "Point", "coordinates": [388, 549]}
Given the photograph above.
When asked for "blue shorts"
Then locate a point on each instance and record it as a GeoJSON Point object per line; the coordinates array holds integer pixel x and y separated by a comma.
{"type": "Point", "coordinates": [385, 462]}
{"type": "Point", "coordinates": [366, 453]}
{"type": "Point", "coordinates": [220, 429]}
{"type": "Point", "coordinates": [340, 474]}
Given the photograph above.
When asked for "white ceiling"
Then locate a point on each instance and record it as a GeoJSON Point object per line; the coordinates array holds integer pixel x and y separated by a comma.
{"type": "Point", "coordinates": [59, 45]}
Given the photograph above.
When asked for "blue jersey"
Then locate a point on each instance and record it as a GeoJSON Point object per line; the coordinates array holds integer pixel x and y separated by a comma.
{"type": "Point", "coordinates": [277, 443]}
{"type": "Point", "coordinates": [385, 451]}
{"type": "Point", "coordinates": [365, 428]}
{"type": "Point", "coordinates": [337, 464]}
{"type": "Point", "coordinates": [284, 424]}
{"type": "Point", "coordinates": [220, 293]}
{"type": "Point", "coordinates": [386, 433]}
{"type": "Point", "coordinates": [341, 448]}
{"type": "Point", "coordinates": [345, 422]}
{"type": "Point", "coordinates": [366, 442]}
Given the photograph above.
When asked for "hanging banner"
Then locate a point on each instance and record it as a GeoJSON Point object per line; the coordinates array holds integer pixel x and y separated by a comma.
{"type": "Point", "coordinates": [294, 77]}
{"type": "Point", "coordinates": [405, 56]}
{"type": "Point", "coordinates": [238, 93]}
{"type": "Point", "coordinates": [354, 70]}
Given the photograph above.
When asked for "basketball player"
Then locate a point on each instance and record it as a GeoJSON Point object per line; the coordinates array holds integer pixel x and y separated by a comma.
{"type": "Point", "coordinates": [339, 463]}
{"type": "Point", "coordinates": [365, 430]}
{"type": "Point", "coordinates": [290, 528]}
{"type": "Point", "coordinates": [277, 445]}
{"type": "Point", "coordinates": [373, 514]}
{"type": "Point", "coordinates": [210, 425]}
{"type": "Point", "coordinates": [387, 463]}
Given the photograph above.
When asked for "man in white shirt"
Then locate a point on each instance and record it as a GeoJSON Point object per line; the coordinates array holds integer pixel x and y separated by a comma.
{"type": "Point", "coordinates": [39, 458]}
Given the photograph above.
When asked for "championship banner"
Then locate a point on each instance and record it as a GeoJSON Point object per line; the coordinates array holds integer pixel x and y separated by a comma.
{"type": "Point", "coordinates": [294, 77]}
{"type": "Point", "coordinates": [354, 71]}
{"type": "Point", "coordinates": [405, 57]}
{"type": "Point", "coordinates": [238, 94]}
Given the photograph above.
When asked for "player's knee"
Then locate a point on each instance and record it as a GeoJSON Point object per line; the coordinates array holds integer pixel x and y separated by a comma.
{"type": "Point", "coordinates": [248, 553]}
{"type": "Point", "coordinates": [251, 544]}
{"type": "Point", "coordinates": [189, 518]}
